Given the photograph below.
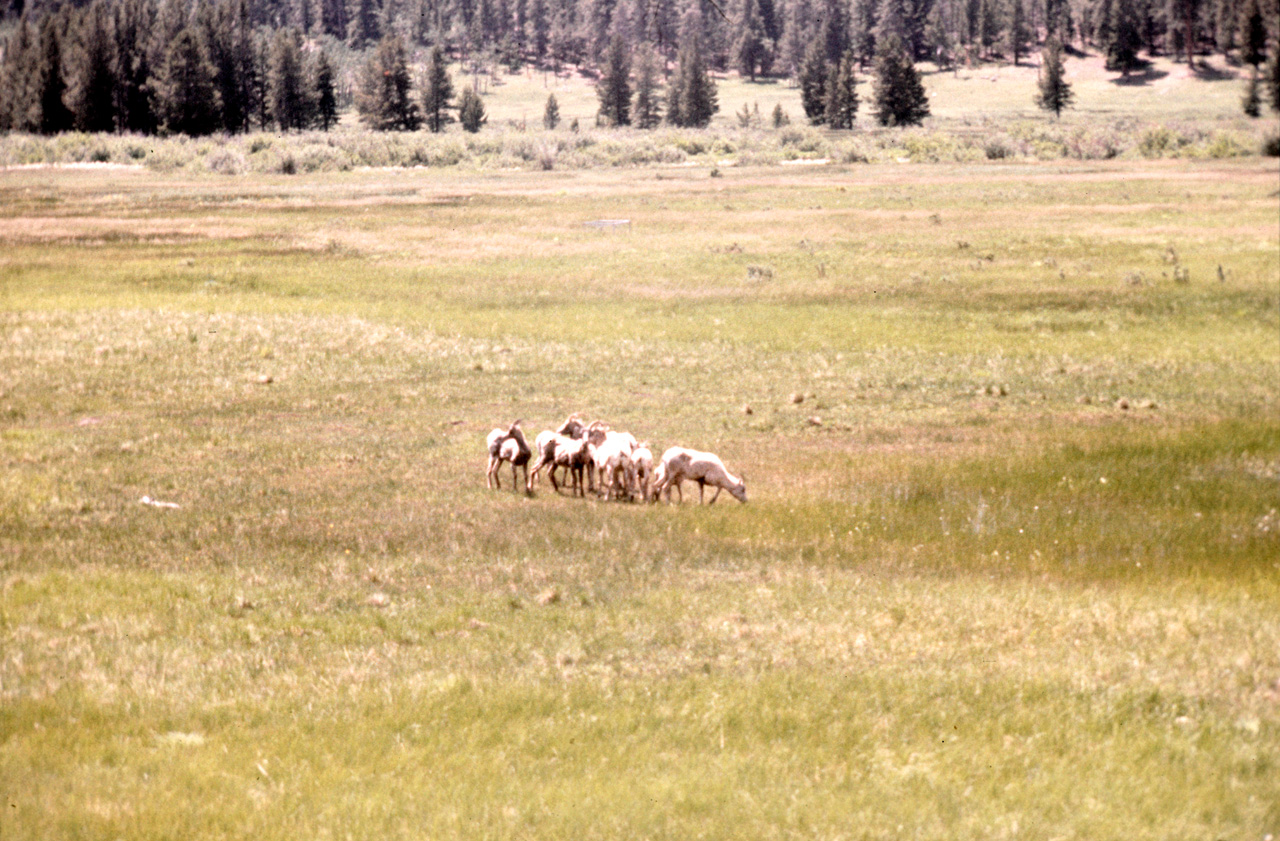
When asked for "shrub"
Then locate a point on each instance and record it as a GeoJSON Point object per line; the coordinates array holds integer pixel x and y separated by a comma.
{"type": "Point", "coordinates": [998, 148]}
{"type": "Point", "coordinates": [1157, 142]}
{"type": "Point", "coordinates": [1271, 145]}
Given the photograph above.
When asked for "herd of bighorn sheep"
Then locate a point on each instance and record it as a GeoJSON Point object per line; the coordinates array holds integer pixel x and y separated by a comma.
{"type": "Point", "coordinates": [614, 464]}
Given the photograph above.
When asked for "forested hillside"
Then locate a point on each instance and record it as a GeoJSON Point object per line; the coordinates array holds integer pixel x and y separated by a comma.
{"type": "Point", "coordinates": [199, 66]}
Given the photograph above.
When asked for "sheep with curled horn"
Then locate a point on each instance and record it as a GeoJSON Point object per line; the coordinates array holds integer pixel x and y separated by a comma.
{"type": "Point", "coordinates": [562, 448]}
{"type": "Point", "coordinates": [507, 446]}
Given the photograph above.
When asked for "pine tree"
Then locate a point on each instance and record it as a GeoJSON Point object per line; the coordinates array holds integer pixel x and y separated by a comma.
{"type": "Point", "coordinates": [1185, 13]}
{"type": "Point", "coordinates": [92, 98]}
{"type": "Point", "coordinates": [1054, 92]}
{"type": "Point", "coordinates": [780, 117]}
{"type": "Point", "coordinates": [1252, 100]}
{"type": "Point", "coordinates": [471, 111]}
{"type": "Point", "coordinates": [326, 94]}
{"type": "Point", "coordinates": [614, 87]}
{"type": "Point", "coordinates": [1019, 33]}
{"type": "Point", "coordinates": [1119, 35]}
{"type": "Point", "coordinates": [813, 83]}
{"type": "Point", "coordinates": [1057, 19]}
{"type": "Point", "coordinates": [228, 34]}
{"type": "Point", "coordinates": [692, 99]}
{"type": "Point", "coordinates": [55, 117]}
{"type": "Point", "coordinates": [646, 111]}
{"type": "Point", "coordinates": [862, 37]}
{"type": "Point", "coordinates": [186, 97]}
{"type": "Point", "coordinates": [384, 100]}
{"type": "Point", "coordinates": [538, 29]}
{"type": "Point", "coordinates": [133, 23]}
{"type": "Point", "coordinates": [753, 48]}
{"type": "Point", "coordinates": [551, 114]}
{"type": "Point", "coordinates": [364, 25]}
{"type": "Point", "coordinates": [437, 91]}
{"type": "Point", "coordinates": [842, 94]}
{"type": "Point", "coordinates": [1273, 76]}
{"type": "Point", "coordinates": [1253, 35]}
{"type": "Point", "coordinates": [900, 96]}
{"type": "Point", "coordinates": [290, 94]}
{"type": "Point", "coordinates": [19, 97]}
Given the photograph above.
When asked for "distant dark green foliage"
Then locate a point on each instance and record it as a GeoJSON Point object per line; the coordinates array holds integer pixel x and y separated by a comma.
{"type": "Point", "coordinates": [186, 97]}
{"type": "Point", "coordinates": [384, 99]}
{"type": "Point", "coordinates": [326, 93]}
{"type": "Point", "coordinates": [551, 114]}
{"type": "Point", "coordinates": [614, 87]}
{"type": "Point", "coordinates": [813, 83]}
{"type": "Point", "coordinates": [51, 87]}
{"type": "Point", "coordinates": [471, 111]}
{"type": "Point", "coordinates": [899, 95]}
{"type": "Point", "coordinates": [692, 99]}
{"type": "Point", "coordinates": [646, 111]}
{"type": "Point", "coordinates": [1053, 91]}
{"type": "Point", "coordinates": [841, 107]}
{"type": "Point", "coordinates": [437, 92]}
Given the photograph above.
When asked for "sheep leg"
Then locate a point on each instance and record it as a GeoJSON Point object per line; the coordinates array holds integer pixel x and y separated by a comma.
{"type": "Point", "coordinates": [715, 496]}
{"type": "Point", "coordinates": [701, 485]}
{"type": "Point", "coordinates": [491, 473]}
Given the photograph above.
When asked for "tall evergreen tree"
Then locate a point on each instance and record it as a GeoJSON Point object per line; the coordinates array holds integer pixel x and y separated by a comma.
{"type": "Point", "coordinates": [833, 29]}
{"type": "Point", "coordinates": [1273, 75]}
{"type": "Point", "coordinates": [1057, 19]}
{"type": "Point", "coordinates": [228, 34]}
{"type": "Point", "coordinates": [813, 83]}
{"type": "Point", "coordinates": [1019, 33]}
{"type": "Point", "coordinates": [646, 112]}
{"type": "Point", "coordinates": [288, 85]}
{"type": "Point", "coordinates": [900, 96]}
{"type": "Point", "coordinates": [186, 97]}
{"type": "Point", "coordinates": [437, 91]}
{"type": "Point", "coordinates": [614, 87]}
{"type": "Point", "coordinates": [842, 93]}
{"type": "Point", "coordinates": [55, 116]}
{"type": "Point", "coordinates": [326, 94]}
{"type": "Point", "coordinates": [384, 99]}
{"type": "Point", "coordinates": [1053, 91]}
{"type": "Point", "coordinates": [538, 29]}
{"type": "Point", "coordinates": [551, 113]}
{"type": "Point", "coordinates": [1118, 34]}
{"type": "Point", "coordinates": [692, 99]}
{"type": "Point", "coordinates": [862, 34]}
{"type": "Point", "coordinates": [134, 20]}
{"type": "Point", "coordinates": [471, 111]}
{"type": "Point", "coordinates": [752, 48]}
{"type": "Point", "coordinates": [19, 97]}
{"type": "Point", "coordinates": [1253, 34]}
{"type": "Point", "coordinates": [364, 23]}
{"type": "Point", "coordinates": [92, 98]}
{"type": "Point", "coordinates": [1185, 14]}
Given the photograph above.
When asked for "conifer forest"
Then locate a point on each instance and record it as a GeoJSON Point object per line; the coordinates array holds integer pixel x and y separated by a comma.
{"type": "Point", "coordinates": [204, 66]}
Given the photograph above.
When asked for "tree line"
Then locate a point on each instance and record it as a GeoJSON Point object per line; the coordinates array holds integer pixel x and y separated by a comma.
{"type": "Point", "coordinates": [200, 66]}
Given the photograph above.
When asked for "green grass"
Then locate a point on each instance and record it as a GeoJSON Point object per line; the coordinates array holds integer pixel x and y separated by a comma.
{"type": "Point", "coordinates": [972, 595]}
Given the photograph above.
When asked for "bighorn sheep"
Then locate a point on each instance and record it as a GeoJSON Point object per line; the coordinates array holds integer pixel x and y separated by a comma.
{"type": "Point", "coordinates": [642, 468]}
{"type": "Point", "coordinates": [679, 464]}
{"type": "Point", "coordinates": [507, 446]}
{"type": "Point", "coordinates": [563, 447]}
{"type": "Point", "coordinates": [610, 453]}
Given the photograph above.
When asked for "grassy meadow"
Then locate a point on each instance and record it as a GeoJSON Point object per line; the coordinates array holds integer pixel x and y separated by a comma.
{"type": "Point", "coordinates": [1010, 567]}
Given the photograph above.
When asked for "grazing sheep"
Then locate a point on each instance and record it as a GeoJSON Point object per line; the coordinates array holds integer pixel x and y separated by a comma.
{"type": "Point", "coordinates": [507, 446]}
{"type": "Point", "coordinates": [642, 470]}
{"type": "Point", "coordinates": [610, 453]}
{"type": "Point", "coordinates": [679, 464]}
{"type": "Point", "coordinates": [549, 443]}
